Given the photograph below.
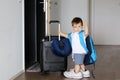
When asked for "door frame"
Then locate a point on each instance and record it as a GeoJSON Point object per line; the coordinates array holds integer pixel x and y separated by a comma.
{"type": "Point", "coordinates": [92, 16]}
{"type": "Point", "coordinates": [23, 34]}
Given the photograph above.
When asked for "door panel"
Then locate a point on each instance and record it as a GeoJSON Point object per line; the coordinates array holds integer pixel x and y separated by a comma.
{"type": "Point", "coordinates": [30, 32]}
{"type": "Point", "coordinates": [40, 25]}
{"type": "Point", "coordinates": [106, 22]}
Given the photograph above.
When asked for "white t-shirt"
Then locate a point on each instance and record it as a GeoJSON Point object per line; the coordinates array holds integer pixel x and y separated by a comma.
{"type": "Point", "coordinates": [76, 45]}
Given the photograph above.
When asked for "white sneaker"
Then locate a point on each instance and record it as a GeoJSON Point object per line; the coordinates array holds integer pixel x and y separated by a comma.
{"type": "Point", "coordinates": [86, 73]}
{"type": "Point", "coordinates": [72, 74]}
{"type": "Point", "coordinates": [72, 69]}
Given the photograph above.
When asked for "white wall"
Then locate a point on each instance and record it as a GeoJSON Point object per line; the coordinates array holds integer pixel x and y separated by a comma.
{"type": "Point", "coordinates": [106, 29]}
{"type": "Point", "coordinates": [66, 10]}
{"type": "Point", "coordinates": [11, 38]}
{"type": "Point", "coordinates": [55, 9]}
{"type": "Point", "coordinates": [71, 9]}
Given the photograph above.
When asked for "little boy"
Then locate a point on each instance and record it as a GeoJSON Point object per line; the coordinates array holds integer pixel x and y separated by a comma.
{"type": "Point", "coordinates": [78, 50]}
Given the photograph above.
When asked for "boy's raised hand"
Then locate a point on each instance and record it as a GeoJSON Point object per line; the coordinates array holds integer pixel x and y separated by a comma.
{"type": "Point", "coordinates": [85, 25]}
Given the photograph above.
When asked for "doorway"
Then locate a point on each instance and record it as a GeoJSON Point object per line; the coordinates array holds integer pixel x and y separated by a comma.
{"type": "Point", "coordinates": [34, 30]}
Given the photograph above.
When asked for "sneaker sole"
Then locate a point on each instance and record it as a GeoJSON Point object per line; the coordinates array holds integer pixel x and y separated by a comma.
{"type": "Point", "coordinates": [75, 77]}
{"type": "Point", "coordinates": [85, 76]}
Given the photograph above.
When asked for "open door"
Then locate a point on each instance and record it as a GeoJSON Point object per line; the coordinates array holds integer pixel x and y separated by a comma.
{"type": "Point", "coordinates": [34, 30]}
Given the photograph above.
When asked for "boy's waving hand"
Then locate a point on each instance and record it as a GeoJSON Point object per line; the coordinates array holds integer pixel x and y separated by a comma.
{"type": "Point", "coordinates": [85, 25]}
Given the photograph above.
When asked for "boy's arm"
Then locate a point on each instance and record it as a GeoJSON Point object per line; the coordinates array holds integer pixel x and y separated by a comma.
{"type": "Point", "coordinates": [63, 34]}
{"type": "Point", "coordinates": [85, 24]}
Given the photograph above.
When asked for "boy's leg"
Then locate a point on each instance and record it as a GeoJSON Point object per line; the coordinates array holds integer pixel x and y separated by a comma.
{"type": "Point", "coordinates": [83, 67]}
{"type": "Point", "coordinates": [85, 72]}
{"type": "Point", "coordinates": [74, 73]}
{"type": "Point", "coordinates": [78, 59]}
{"type": "Point", "coordinates": [79, 65]}
{"type": "Point", "coordinates": [77, 68]}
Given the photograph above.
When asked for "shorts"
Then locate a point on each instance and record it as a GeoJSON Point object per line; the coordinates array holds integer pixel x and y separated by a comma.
{"type": "Point", "coordinates": [79, 59]}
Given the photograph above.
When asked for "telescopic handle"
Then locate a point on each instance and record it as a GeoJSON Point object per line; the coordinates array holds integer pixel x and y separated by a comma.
{"type": "Point", "coordinates": [55, 21]}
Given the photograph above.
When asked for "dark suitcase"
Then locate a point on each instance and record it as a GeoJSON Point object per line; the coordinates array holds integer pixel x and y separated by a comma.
{"type": "Point", "coordinates": [48, 60]}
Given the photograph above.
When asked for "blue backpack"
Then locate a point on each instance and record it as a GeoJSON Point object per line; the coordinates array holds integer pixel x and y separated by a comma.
{"type": "Point", "coordinates": [90, 57]}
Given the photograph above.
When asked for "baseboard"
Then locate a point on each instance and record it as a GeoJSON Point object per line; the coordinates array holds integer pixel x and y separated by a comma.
{"type": "Point", "coordinates": [15, 76]}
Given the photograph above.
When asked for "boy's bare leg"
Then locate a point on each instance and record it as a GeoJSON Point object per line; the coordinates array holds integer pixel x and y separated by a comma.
{"type": "Point", "coordinates": [77, 68]}
{"type": "Point", "coordinates": [85, 73]}
{"type": "Point", "coordinates": [83, 67]}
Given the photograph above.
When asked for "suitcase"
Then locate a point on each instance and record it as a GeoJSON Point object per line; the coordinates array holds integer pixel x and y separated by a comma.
{"type": "Point", "coordinates": [49, 62]}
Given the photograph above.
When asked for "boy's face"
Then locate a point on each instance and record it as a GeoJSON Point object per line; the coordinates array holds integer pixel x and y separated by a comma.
{"type": "Point", "coordinates": [77, 27]}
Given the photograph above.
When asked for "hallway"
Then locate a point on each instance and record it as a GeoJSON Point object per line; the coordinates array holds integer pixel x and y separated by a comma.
{"type": "Point", "coordinates": [107, 67]}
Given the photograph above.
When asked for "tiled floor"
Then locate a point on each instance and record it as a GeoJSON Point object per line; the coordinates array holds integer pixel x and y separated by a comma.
{"type": "Point", "coordinates": [107, 67]}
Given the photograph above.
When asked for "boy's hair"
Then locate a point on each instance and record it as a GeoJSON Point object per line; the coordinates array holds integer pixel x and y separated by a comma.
{"type": "Point", "coordinates": [77, 20]}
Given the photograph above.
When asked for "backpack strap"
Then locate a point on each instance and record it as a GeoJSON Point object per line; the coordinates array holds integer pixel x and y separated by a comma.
{"type": "Point", "coordinates": [70, 38]}
{"type": "Point", "coordinates": [92, 71]}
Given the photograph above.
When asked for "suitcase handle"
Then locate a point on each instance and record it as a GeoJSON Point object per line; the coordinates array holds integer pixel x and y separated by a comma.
{"type": "Point", "coordinates": [55, 21]}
